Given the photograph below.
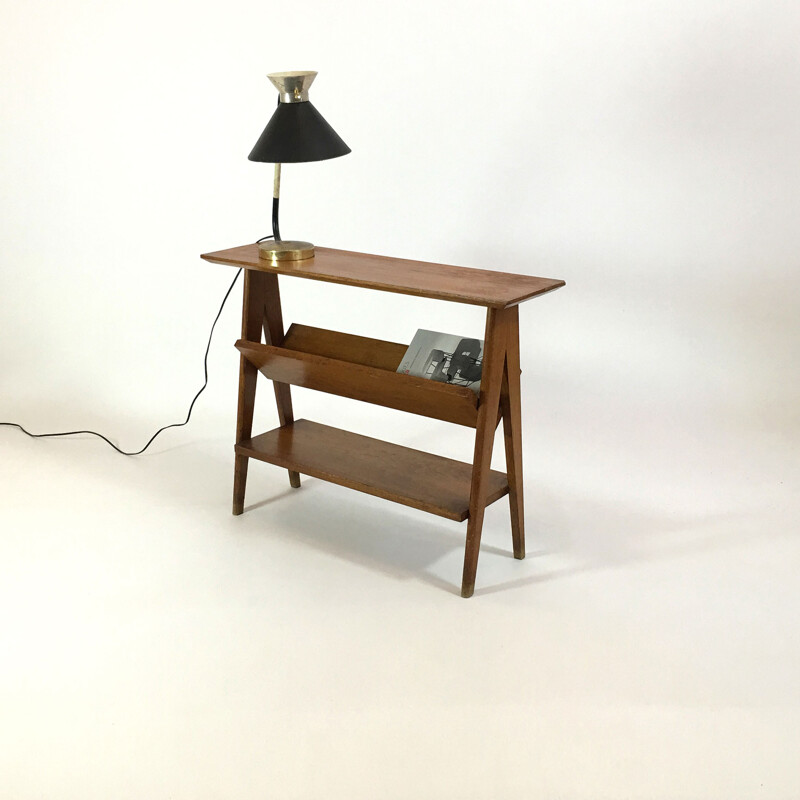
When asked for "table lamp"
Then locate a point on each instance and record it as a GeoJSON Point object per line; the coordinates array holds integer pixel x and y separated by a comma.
{"type": "Point", "coordinates": [296, 133]}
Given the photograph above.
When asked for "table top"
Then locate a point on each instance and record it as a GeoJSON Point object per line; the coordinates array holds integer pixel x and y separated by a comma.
{"type": "Point", "coordinates": [479, 287]}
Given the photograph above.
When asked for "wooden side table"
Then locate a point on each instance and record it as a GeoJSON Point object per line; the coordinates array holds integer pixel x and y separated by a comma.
{"type": "Point", "coordinates": [365, 369]}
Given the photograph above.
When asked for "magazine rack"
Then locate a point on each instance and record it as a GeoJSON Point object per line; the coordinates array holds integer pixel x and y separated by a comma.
{"type": "Point", "coordinates": [365, 369]}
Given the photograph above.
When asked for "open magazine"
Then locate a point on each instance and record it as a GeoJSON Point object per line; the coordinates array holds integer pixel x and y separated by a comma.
{"type": "Point", "coordinates": [444, 357]}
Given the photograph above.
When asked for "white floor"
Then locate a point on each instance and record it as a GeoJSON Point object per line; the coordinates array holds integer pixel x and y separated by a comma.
{"type": "Point", "coordinates": [155, 646]}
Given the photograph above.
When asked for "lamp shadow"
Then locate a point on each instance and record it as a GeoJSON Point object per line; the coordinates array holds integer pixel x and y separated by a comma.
{"type": "Point", "coordinates": [268, 501]}
{"type": "Point", "coordinates": [608, 537]}
{"type": "Point", "coordinates": [594, 537]}
{"type": "Point", "coordinates": [370, 532]}
{"type": "Point", "coordinates": [572, 536]}
{"type": "Point", "coordinates": [405, 545]}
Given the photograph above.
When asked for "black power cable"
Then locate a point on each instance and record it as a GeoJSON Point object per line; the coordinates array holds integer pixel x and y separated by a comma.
{"type": "Point", "coordinates": [175, 424]}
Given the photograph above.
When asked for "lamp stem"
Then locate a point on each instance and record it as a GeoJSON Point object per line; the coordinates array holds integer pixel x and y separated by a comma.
{"type": "Point", "coordinates": [276, 182]}
{"type": "Point", "coordinates": [276, 198]}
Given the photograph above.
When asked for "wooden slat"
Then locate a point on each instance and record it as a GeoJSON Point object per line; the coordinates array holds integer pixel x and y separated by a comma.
{"type": "Point", "coordinates": [494, 338]}
{"type": "Point", "coordinates": [511, 409]}
{"type": "Point", "coordinates": [403, 392]}
{"type": "Point", "coordinates": [479, 287]}
{"type": "Point", "coordinates": [253, 298]}
{"type": "Point", "coordinates": [345, 347]}
{"type": "Point", "coordinates": [274, 335]}
{"type": "Point", "coordinates": [421, 480]}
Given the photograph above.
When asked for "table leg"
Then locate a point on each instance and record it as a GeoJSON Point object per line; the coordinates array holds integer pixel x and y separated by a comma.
{"type": "Point", "coordinates": [488, 411]}
{"type": "Point", "coordinates": [510, 404]}
{"type": "Point", "coordinates": [252, 320]}
{"type": "Point", "coordinates": [274, 333]}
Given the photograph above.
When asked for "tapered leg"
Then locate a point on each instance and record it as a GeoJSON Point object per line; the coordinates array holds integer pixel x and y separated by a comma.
{"type": "Point", "coordinates": [239, 482]}
{"type": "Point", "coordinates": [488, 409]}
{"type": "Point", "coordinates": [252, 320]}
{"type": "Point", "coordinates": [510, 405]}
{"type": "Point", "coordinates": [273, 333]}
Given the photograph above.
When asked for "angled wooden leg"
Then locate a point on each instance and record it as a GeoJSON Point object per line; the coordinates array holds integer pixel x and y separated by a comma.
{"type": "Point", "coordinates": [273, 334]}
{"type": "Point", "coordinates": [488, 409]}
{"type": "Point", "coordinates": [510, 405]}
{"type": "Point", "coordinates": [252, 320]}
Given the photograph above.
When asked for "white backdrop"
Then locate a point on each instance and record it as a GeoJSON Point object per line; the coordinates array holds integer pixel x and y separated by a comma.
{"type": "Point", "coordinates": [646, 152]}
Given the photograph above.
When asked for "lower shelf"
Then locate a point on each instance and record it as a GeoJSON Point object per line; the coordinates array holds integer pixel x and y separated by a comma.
{"type": "Point", "coordinates": [411, 477]}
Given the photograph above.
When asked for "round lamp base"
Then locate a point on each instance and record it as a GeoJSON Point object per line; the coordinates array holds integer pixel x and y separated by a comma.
{"type": "Point", "coordinates": [285, 250]}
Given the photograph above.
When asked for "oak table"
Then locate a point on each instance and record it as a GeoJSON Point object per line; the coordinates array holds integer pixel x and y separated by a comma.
{"type": "Point", "coordinates": [365, 369]}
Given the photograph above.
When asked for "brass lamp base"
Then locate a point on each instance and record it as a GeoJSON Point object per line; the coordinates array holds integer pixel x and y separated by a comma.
{"type": "Point", "coordinates": [285, 250]}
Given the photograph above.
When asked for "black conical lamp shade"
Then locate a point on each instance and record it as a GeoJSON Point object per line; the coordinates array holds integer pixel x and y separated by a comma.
{"type": "Point", "coordinates": [297, 132]}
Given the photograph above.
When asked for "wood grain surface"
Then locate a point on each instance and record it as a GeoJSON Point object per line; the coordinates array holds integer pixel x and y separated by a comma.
{"type": "Point", "coordinates": [345, 347]}
{"type": "Point", "coordinates": [439, 281]}
{"type": "Point", "coordinates": [428, 398]}
{"type": "Point", "coordinates": [421, 480]}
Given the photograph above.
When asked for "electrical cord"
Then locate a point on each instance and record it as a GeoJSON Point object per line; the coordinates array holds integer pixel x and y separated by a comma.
{"type": "Point", "coordinates": [173, 425]}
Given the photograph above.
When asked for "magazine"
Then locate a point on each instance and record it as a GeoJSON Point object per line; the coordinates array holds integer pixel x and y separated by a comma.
{"type": "Point", "coordinates": [444, 357]}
